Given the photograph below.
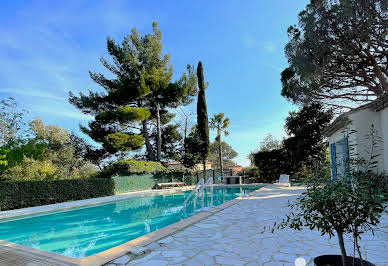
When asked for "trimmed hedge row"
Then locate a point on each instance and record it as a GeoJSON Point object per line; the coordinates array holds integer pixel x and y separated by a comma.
{"type": "Point", "coordinates": [131, 167]}
{"type": "Point", "coordinates": [21, 194]}
{"type": "Point", "coordinates": [133, 182]}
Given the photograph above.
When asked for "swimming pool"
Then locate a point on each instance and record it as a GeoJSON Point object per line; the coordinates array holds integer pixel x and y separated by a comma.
{"type": "Point", "coordinates": [89, 230]}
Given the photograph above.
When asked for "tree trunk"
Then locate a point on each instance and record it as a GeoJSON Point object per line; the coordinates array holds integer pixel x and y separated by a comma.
{"type": "Point", "coordinates": [159, 134]}
{"type": "Point", "coordinates": [186, 125]}
{"type": "Point", "coordinates": [358, 248]}
{"type": "Point", "coordinates": [220, 157]}
{"type": "Point", "coordinates": [342, 246]}
{"type": "Point", "coordinates": [150, 152]}
{"type": "Point", "coordinates": [204, 170]}
{"type": "Point", "coordinates": [379, 74]}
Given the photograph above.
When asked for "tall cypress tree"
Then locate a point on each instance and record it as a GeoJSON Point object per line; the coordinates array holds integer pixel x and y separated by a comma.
{"type": "Point", "coordinates": [202, 119]}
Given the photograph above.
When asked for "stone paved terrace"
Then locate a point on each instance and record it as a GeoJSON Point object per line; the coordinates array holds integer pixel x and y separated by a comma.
{"type": "Point", "coordinates": [231, 237]}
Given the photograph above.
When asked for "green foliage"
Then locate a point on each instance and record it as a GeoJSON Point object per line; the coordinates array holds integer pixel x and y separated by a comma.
{"type": "Point", "coordinates": [202, 118]}
{"type": "Point", "coordinates": [350, 205]}
{"type": "Point", "coordinates": [124, 142]}
{"type": "Point", "coordinates": [220, 123]}
{"type": "Point", "coordinates": [48, 153]}
{"type": "Point", "coordinates": [22, 194]}
{"type": "Point", "coordinates": [252, 175]}
{"type": "Point", "coordinates": [228, 153]}
{"type": "Point", "coordinates": [192, 151]}
{"type": "Point", "coordinates": [137, 98]}
{"type": "Point", "coordinates": [3, 161]}
{"type": "Point", "coordinates": [271, 164]}
{"type": "Point", "coordinates": [337, 54]}
{"type": "Point", "coordinates": [305, 129]}
{"type": "Point", "coordinates": [133, 182]}
{"type": "Point", "coordinates": [11, 120]}
{"type": "Point", "coordinates": [171, 141]}
{"type": "Point", "coordinates": [85, 151]}
{"type": "Point", "coordinates": [304, 145]}
{"type": "Point", "coordinates": [131, 167]}
{"type": "Point", "coordinates": [269, 144]}
{"type": "Point", "coordinates": [31, 169]}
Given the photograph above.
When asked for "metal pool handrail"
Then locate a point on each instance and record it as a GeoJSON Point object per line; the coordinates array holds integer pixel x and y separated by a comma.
{"type": "Point", "coordinates": [199, 184]}
{"type": "Point", "coordinates": [208, 181]}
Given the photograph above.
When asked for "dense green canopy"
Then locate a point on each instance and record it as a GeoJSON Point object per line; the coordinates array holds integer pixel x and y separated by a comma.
{"type": "Point", "coordinates": [138, 98]}
{"type": "Point", "coordinates": [338, 53]}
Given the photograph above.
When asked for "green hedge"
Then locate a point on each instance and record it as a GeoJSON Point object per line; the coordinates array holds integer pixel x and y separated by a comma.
{"type": "Point", "coordinates": [125, 183]}
{"type": "Point", "coordinates": [21, 194]}
{"type": "Point", "coordinates": [271, 164]}
{"type": "Point", "coordinates": [130, 167]}
{"type": "Point", "coordinates": [133, 182]}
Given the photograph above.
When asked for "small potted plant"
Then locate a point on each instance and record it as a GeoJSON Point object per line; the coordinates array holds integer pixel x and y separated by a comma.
{"type": "Point", "coordinates": [351, 205]}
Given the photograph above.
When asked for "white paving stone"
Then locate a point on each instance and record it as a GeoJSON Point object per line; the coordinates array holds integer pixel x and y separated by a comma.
{"type": "Point", "coordinates": [137, 250]}
{"type": "Point", "coordinates": [233, 237]}
{"type": "Point", "coordinates": [166, 240]}
{"type": "Point", "coordinates": [172, 253]}
{"type": "Point", "coordinates": [122, 260]}
{"type": "Point", "coordinates": [153, 263]}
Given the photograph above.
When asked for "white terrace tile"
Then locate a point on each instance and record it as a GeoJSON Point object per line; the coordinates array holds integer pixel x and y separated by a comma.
{"type": "Point", "coordinates": [232, 237]}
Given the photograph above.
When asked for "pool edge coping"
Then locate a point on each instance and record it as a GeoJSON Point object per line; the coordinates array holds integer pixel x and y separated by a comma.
{"type": "Point", "coordinates": [67, 205]}
{"type": "Point", "coordinates": [120, 250]}
{"type": "Point", "coordinates": [113, 253]}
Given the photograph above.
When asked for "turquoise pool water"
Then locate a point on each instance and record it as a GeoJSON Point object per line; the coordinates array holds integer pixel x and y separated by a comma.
{"type": "Point", "coordinates": [86, 231]}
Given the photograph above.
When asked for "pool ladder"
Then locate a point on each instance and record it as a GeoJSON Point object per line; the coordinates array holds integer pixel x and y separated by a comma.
{"type": "Point", "coordinates": [199, 190]}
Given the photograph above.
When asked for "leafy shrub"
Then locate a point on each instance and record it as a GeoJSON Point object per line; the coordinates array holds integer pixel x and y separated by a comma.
{"type": "Point", "coordinates": [31, 169]}
{"type": "Point", "coordinates": [131, 167]}
{"type": "Point", "coordinates": [272, 164]}
{"type": "Point", "coordinates": [252, 171]}
{"type": "Point", "coordinates": [21, 194]}
{"type": "Point", "coordinates": [133, 182]}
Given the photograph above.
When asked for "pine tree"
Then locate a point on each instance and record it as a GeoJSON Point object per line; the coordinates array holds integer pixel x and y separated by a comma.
{"type": "Point", "coordinates": [141, 91]}
{"type": "Point", "coordinates": [202, 118]}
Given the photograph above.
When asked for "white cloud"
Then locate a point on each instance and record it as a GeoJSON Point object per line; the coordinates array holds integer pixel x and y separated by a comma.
{"type": "Point", "coordinates": [249, 41]}
{"type": "Point", "coordinates": [269, 46]}
{"type": "Point", "coordinates": [61, 112]}
{"type": "Point", "coordinates": [33, 93]}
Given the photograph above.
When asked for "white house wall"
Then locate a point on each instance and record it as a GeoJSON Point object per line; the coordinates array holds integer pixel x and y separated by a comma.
{"type": "Point", "coordinates": [339, 135]}
{"type": "Point", "coordinates": [363, 121]}
{"type": "Point", "coordinates": [384, 130]}
{"type": "Point", "coordinates": [360, 147]}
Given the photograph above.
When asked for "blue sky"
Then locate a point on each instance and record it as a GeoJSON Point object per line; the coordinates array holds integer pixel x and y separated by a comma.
{"type": "Point", "coordinates": [48, 47]}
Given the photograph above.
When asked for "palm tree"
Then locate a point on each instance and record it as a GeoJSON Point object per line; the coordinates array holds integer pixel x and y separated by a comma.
{"type": "Point", "coordinates": [220, 123]}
